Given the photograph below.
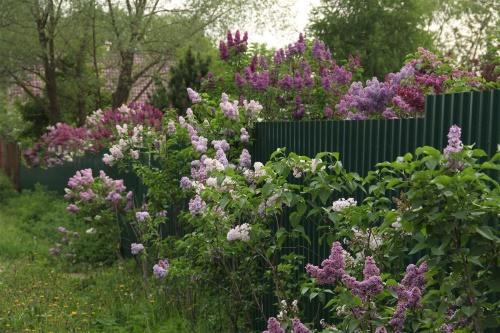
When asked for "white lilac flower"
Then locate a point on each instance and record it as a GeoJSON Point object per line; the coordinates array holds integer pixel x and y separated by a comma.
{"type": "Point", "coordinates": [134, 154]}
{"type": "Point", "coordinates": [314, 164]}
{"type": "Point", "coordinates": [122, 130]}
{"type": "Point", "coordinates": [342, 204]}
{"type": "Point", "coordinates": [397, 224]}
{"type": "Point", "coordinates": [259, 169]}
{"type": "Point", "coordinates": [240, 232]}
{"type": "Point", "coordinates": [90, 231]}
{"type": "Point", "coordinates": [252, 108]}
{"type": "Point", "coordinates": [212, 182]}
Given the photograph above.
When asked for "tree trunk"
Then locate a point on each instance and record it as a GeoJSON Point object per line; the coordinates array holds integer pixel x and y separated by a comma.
{"type": "Point", "coordinates": [122, 91]}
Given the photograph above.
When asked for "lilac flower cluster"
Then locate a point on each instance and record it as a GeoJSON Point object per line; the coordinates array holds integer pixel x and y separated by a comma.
{"type": "Point", "coordinates": [454, 146]}
{"type": "Point", "coordinates": [160, 270]}
{"type": "Point", "coordinates": [197, 205]}
{"type": "Point", "coordinates": [63, 142]}
{"type": "Point", "coordinates": [194, 97]}
{"type": "Point", "coordinates": [233, 45]}
{"type": "Point", "coordinates": [274, 326]}
{"type": "Point", "coordinates": [83, 189]}
{"type": "Point", "coordinates": [333, 267]}
{"type": "Point", "coordinates": [136, 248]}
{"type": "Point", "coordinates": [240, 232]}
{"type": "Point", "coordinates": [409, 293]}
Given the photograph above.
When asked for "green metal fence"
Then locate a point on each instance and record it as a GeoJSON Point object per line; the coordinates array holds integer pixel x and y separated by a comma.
{"type": "Point", "coordinates": [363, 143]}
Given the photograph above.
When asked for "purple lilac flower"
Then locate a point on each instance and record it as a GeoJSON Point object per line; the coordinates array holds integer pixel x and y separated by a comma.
{"type": "Point", "coordinates": [370, 286]}
{"type": "Point", "coordinates": [328, 112]}
{"type": "Point", "coordinates": [298, 111]}
{"type": "Point", "coordinates": [185, 183]}
{"type": "Point", "coordinates": [389, 114]}
{"type": "Point", "coordinates": [279, 56]}
{"type": "Point", "coordinates": [286, 83]}
{"type": "Point", "coordinates": [193, 96]}
{"type": "Point", "coordinates": [136, 248]}
{"type": "Point", "coordinates": [244, 136]}
{"type": "Point", "coordinates": [220, 144]}
{"type": "Point", "coordinates": [200, 144]}
{"type": "Point", "coordinates": [245, 159]}
{"type": "Point", "coordinates": [142, 216]}
{"type": "Point", "coordinates": [320, 51]}
{"type": "Point", "coordinates": [274, 326]}
{"type": "Point", "coordinates": [160, 270]}
{"type": "Point", "coordinates": [72, 208]}
{"type": "Point", "coordinates": [260, 81]}
{"type": "Point", "coordinates": [405, 72]}
{"type": "Point", "coordinates": [332, 269]}
{"type": "Point", "coordinates": [308, 79]}
{"type": "Point", "coordinates": [409, 293]}
{"type": "Point", "coordinates": [239, 80]}
{"type": "Point", "coordinates": [455, 144]}
{"type": "Point", "coordinates": [221, 157]}
{"type": "Point", "coordinates": [223, 51]}
{"type": "Point", "coordinates": [298, 327]}
{"type": "Point", "coordinates": [229, 109]}
{"type": "Point", "coordinates": [297, 81]}
{"type": "Point", "coordinates": [197, 205]}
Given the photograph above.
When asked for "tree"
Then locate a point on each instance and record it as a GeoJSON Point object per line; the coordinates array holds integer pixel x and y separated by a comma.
{"type": "Point", "coordinates": [381, 32]}
{"type": "Point", "coordinates": [467, 29]}
{"type": "Point", "coordinates": [157, 30]}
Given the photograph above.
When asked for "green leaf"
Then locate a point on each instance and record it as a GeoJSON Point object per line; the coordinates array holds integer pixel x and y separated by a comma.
{"type": "Point", "coordinates": [419, 247]}
{"type": "Point", "coordinates": [487, 233]}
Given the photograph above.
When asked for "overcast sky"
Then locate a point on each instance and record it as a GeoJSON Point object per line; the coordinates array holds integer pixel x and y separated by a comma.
{"type": "Point", "coordinates": [278, 37]}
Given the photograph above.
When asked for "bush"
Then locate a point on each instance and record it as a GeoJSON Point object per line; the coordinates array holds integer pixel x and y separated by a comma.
{"type": "Point", "coordinates": [6, 188]}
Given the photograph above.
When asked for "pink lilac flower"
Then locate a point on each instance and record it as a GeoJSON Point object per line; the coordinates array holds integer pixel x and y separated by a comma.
{"type": "Point", "coordinates": [129, 198]}
{"type": "Point", "coordinates": [298, 327]}
{"type": "Point", "coordinates": [332, 269]}
{"type": "Point", "coordinates": [62, 230]}
{"type": "Point", "coordinates": [87, 195]}
{"type": "Point", "coordinates": [136, 248]}
{"type": "Point", "coordinates": [245, 159]}
{"type": "Point", "coordinates": [274, 326]}
{"type": "Point", "coordinates": [197, 205]}
{"type": "Point", "coordinates": [160, 270]}
{"type": "Point", "coordinates": [193, 96]}
{"type": "Point", "coordinates": [72, 208]}
{"type": "Point", "coordinates": [244, 136]}
{"type": "Point", "coordinates": [142, 216]}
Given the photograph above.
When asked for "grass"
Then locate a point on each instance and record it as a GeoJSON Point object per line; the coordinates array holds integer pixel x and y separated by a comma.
{"type": "Point", "coordinates": [39, 294]}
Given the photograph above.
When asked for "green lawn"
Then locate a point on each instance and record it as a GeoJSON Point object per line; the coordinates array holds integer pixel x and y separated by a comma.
{"type": "Point", "coordinates": [39, 294]}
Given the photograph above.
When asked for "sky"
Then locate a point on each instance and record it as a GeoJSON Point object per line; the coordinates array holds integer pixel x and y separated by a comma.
{"type": "Point", "coordinates": [279, 37]}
